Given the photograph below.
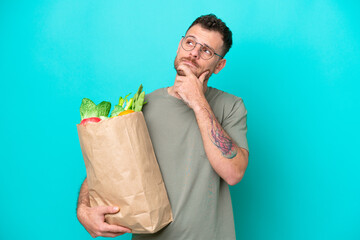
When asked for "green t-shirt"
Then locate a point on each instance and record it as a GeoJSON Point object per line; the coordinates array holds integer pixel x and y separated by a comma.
{"type": "Point", "coordinates": [199, 198]}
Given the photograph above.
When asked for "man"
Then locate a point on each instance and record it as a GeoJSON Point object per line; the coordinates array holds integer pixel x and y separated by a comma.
{"type": "Point", "coordinates": [199, 138]}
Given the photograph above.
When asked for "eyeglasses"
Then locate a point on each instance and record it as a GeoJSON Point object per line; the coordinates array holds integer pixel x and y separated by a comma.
{"type": "Point", "coordinates": [188, 43]}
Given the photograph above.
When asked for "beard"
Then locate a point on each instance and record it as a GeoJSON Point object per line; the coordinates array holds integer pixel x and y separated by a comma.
{"type": "Point", "coordinates": [178, 61]}
{"type": "Point", "coordinates": [197, 72]}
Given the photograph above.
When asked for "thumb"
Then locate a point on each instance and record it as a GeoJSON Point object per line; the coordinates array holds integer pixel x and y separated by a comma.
{"type": "Point", "coordinates": [108, 209]}
{"type": "Point", "coordinates": [203, 76]}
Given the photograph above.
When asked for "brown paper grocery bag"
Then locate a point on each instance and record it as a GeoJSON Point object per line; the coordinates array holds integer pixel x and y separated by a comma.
{"type": "Point", "coordinates": [122, 171]}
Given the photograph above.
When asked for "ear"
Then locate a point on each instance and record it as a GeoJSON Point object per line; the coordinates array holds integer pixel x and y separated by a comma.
{"type": "Point", "coordinates": [220, 65]}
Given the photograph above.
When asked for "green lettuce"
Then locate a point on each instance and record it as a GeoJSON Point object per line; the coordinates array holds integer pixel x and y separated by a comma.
{"type": "Point", "coordinates": [88, 109]}
{"type": "Point", "coordinates": [117, 109]}
{"type": "Point", "coordinates": [103, 109]}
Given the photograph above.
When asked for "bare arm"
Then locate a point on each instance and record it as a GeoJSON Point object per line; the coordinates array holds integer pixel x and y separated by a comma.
{"type": "Point", "coordinates": [93, 218]}
{"type": "Point", "coordinates": [227, 159]}
{"type": "Point", "coordinates": [84, 195]}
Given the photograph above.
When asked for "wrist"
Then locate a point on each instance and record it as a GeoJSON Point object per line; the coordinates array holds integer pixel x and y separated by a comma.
{"type": "Point", "coordinates": [200, 106]}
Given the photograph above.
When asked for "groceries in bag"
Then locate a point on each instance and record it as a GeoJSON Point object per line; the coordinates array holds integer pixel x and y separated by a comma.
{"type": "Point", "coordinates": [121, 165]}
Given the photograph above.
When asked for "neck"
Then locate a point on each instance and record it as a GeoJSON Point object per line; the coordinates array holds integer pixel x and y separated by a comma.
{"type": "Point", "coordinates": [172, 93]}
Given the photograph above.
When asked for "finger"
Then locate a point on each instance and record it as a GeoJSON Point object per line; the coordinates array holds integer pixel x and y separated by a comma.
{"type": "Point", "coordinates": [112, 235]}
{"type": "Point", "coordinates": [185, 69]}
{"type": "Point", "coordinates": [116, 229]}
{"type": "Point", "coordinates": [179, 79]}
{"type": "Point", "coordinates": [177, 87]}
{"type": "Point", "coordinates": [107, 209]}
{"type": "Point", "coordinates": [203, 76]}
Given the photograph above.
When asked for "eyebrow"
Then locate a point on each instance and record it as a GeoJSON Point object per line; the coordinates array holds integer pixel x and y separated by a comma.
{"type": "Point", "coordinates": [203, 44]}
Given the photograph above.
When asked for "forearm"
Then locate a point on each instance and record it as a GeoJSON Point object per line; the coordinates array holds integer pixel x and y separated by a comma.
{"type": "Point", "coordinates": [84, 195]}
{"type": "Point", "coordinates": [93, 218]}
{"type": "Point", "coordinates": [226, 158]}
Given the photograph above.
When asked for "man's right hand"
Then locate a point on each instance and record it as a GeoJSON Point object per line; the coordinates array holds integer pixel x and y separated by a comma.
{"type": "Point", "coordinates": [93, 219]}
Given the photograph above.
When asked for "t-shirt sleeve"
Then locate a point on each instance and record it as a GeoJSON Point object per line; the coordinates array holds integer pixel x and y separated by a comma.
{"type": "Point", "coordinates": [235, 123]}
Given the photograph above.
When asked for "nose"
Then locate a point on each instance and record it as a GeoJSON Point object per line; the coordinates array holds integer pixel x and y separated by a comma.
{"type": "Point", "coordinates": [196, 51]}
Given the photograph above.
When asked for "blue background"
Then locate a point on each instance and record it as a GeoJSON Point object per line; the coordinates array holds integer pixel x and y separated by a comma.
{"type": "Point", "coordinates": [295, 63]}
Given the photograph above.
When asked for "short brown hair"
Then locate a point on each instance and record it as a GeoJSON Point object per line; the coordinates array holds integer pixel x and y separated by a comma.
{"type": "Point", "coordinates": [211, 22]}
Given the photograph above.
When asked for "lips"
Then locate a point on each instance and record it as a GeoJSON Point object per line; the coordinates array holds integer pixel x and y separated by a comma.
{"type": "Point", "coordinates": [190, 63]}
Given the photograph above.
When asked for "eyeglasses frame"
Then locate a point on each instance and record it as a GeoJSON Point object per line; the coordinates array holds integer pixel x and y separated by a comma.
{"type": "Point", "coordinates": [183, 37]}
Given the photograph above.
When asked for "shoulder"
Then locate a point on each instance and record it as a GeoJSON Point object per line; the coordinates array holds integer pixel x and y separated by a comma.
{"type": "Point", "coordinates": [215, 94]}
{"type": "Point", "coordinates": [154, 94]}
{"type": "Point", "coordinates": [154, 100]}
{"type": "Point", "coordinates": [224, 101]}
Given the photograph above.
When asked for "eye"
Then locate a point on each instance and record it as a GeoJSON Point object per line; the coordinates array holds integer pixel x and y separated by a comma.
{"type": "Point", "coordinates": [207, 51]}
{"type": "Point", "coordinates": [189, 42]}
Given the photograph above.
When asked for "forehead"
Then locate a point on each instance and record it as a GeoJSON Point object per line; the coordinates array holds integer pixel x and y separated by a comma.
{"type": "Point", "coordinates": [205, 36]}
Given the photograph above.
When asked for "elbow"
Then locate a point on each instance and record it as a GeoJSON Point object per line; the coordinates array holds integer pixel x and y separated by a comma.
{"type": "Point", "coordinates": [235, 178]}
{"type": "Point", "coordinates": [232, 182]}
{"type": "Point", "coordinates": [239, 169]}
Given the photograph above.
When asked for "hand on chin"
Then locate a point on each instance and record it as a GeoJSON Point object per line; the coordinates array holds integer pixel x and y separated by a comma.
{"type": "Point", "coordinates": [181, 72]}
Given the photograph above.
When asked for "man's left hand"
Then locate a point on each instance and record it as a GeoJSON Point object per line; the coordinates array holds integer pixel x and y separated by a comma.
{"type": "Point", "coordinates": [190, 88]}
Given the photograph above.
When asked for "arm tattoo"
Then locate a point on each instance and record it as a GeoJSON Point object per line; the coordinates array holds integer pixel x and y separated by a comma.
{"type": "Point", "coordinates": [220, 140]}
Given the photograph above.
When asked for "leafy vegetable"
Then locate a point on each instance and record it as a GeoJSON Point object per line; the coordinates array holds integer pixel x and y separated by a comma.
{"type": "Point", "coordinates": [140, 102]}
{"type": "Point", "coordinates": [127, 97]}
{"type": "Point", "coordinates": [129, 104]}
{"type": "Point", "coordinates": [138, 99]}
{"type": "Point", "coordinates": [135, 103]}
{"type": "Point", "coordinates": [117, 109]}
{"type": "Point", "coordinates": [121, 101]}
{"type": "Point", "coordinates": [103, 109]}
{"type": "Point", "coordinates": [88, 109]}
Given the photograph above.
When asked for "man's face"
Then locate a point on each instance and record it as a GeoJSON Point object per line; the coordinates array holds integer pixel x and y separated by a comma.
{"type": "Point", "coordinates": [192, 58]}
